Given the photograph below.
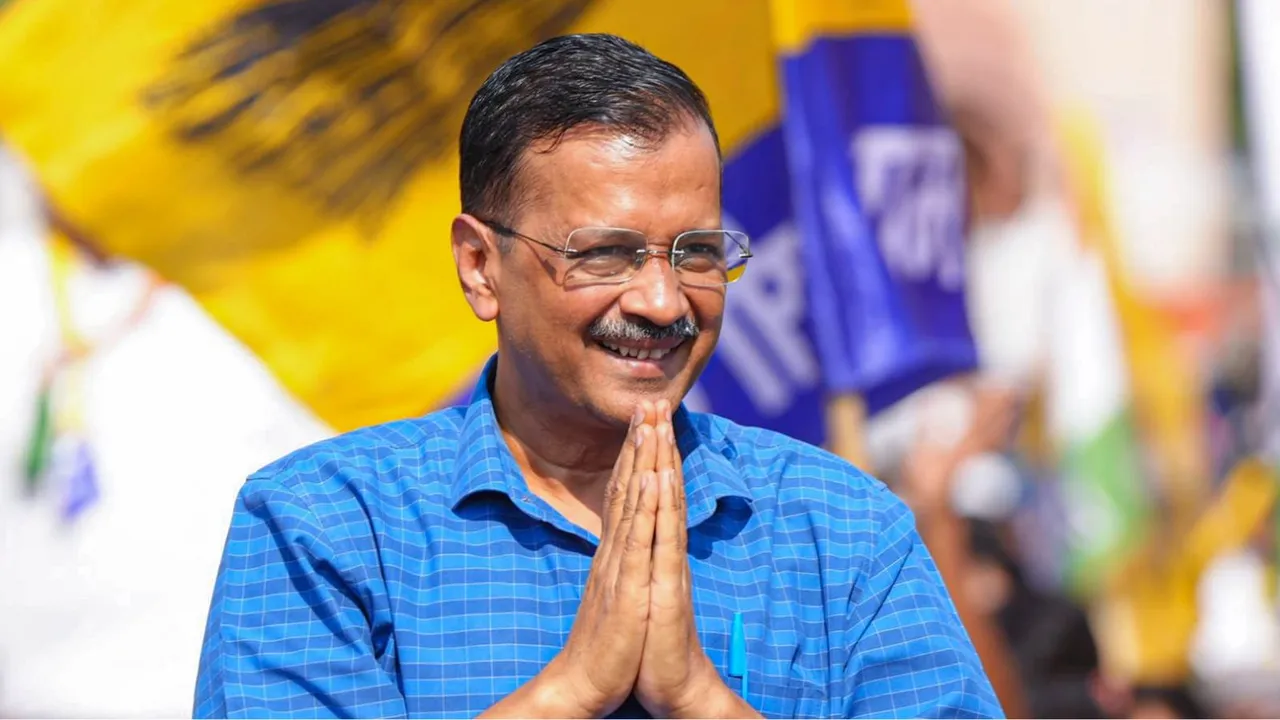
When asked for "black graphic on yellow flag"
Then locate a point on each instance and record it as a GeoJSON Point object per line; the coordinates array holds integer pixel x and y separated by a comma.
{"type": "Point", "coordinates": [292, 163]}
{"type": "Point", "coordinates": [334, 99]}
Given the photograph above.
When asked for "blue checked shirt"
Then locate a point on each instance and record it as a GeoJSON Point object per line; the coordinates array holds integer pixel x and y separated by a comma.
{"type": "Point", "coordinates": [406, 570]}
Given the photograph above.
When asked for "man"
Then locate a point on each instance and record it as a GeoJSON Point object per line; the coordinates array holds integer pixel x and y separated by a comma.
{"type": "Point", "coordinates": [574, 543]}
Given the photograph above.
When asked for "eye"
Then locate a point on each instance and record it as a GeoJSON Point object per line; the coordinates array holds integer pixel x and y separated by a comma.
{"type": "Point", "coordinates": [700, 258]}
{"type": "Point", "coordinates": [702, 250]}
{"type": "Point", "coordinates": [607, 252]}
{"type": "Point", "coordinates": [604, 260]}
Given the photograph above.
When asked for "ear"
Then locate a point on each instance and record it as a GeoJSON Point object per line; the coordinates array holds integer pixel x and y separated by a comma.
{"type": "Point", "coordinates": [476, 256]}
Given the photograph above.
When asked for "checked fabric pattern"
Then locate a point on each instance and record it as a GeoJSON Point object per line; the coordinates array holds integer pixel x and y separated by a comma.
{"type": "Point", "coordinates": [406, 570]}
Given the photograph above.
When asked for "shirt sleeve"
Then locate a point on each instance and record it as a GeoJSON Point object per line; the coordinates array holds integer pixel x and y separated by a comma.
{"type": "Point", "coordinates": [911, 656]}
{"type": "Point", "coordinates": [291, 625]}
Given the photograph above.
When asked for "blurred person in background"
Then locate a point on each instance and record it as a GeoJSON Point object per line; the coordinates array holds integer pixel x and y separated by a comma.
{"type": "Point", "coordinates": [953, 432]}
{"type": "Point", "coordinates": [979, 60]}
{"type": "Point", "coordinates": [968, 494]}
{"type": "Point", "coordinates": [1051, 638]}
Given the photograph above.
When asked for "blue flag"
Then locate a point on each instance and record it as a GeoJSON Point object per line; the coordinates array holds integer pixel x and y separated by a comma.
{"type": "Point", "coordinates": [855, 204]}
{"type": "Point", "coordinates": [878, 177]}
{"type": "Point", "coordinates": [765, 371]}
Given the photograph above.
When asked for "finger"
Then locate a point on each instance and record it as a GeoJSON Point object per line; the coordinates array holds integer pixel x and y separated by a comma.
{"type": "Point", "coordinates": [645, 452]}
{"type": "Point", "coordinates": [668, 453]}
{"type": "Point", "coordinates": [626, 474]}
{"type": "Point", "coordinates": [636, 559]}
{"type": "Point", "coordinates": [670, 558]}
{"type": "Point", "coordinates": [686, 591]}
{"type": "Point", "coordinates": [677, 466]}
{"type": "Point", "coordinates": [679, 497]}
{"type": "Point", "coordinates": [665, 452]}
{"type": "Point", "coordinates": [630, 492]}
{"type": "Point", "coordinates": [616, 491]}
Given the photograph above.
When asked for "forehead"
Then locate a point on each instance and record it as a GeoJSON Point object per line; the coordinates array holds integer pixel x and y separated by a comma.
{"type": "Point", "coordinates": [597, 176]}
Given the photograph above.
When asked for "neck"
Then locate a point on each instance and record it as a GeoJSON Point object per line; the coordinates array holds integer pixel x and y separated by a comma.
{"type": "Point", "coordinates": [561, 449]}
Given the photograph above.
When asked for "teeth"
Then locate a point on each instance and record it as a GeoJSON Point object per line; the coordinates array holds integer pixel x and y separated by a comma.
{"type": "Point", "coordinates": [638, 353]}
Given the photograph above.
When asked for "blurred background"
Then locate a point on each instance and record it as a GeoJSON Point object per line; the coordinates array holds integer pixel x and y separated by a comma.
{"type": "Point", "coordinates": [1020, 259]}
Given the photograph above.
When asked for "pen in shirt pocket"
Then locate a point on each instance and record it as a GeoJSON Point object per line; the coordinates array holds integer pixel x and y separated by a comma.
{"type": "Point", "coordinates": [738, 652]}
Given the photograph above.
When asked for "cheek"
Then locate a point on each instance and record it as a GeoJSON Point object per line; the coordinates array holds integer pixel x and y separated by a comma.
{"type": "Point", "coordinates": [562, 317]}
{"type": "Point", "coordinates": [708, 310]}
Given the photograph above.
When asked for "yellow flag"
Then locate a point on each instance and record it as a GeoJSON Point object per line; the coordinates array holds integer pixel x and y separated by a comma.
{"type": "Point", "coordinates": [1149, 618]}
{"type": "Point", "coordinates": [292, 163]}
{"type": "Point", "coordinates": [1166, 390]}
{"type": "Point", "coordinates": [1148, 613]}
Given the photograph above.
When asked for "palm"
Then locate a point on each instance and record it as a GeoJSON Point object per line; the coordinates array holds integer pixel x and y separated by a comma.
{"type": "Point", "coordinates": [672, 663]}
{"type": "Point", "coordinates": [671, 644]}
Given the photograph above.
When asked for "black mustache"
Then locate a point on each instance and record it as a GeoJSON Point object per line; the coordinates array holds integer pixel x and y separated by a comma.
{"type": "Point", "coordinates": [614, 331]}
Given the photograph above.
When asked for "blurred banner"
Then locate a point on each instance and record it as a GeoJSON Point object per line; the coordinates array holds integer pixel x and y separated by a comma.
{"type": "Point", "coordinates": [292, 164]}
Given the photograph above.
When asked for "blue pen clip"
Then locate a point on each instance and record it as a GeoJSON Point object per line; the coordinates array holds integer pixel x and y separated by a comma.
{"type": "Point", "coordinates": [738, 652]}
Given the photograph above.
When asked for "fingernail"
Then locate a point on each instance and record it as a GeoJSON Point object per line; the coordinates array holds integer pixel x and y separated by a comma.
{"type": "Point", "coordinates": [638, 417]}
{"type": "Point", "coordinates": [640, 437]}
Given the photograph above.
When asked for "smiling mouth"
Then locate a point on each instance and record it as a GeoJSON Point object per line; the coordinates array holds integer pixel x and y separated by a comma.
{"type": "Point", "coordinates": [640, 353]}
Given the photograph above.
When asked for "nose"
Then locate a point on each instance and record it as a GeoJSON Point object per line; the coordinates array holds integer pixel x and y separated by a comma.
{"type": "Point", "coordinates": [655, 293]}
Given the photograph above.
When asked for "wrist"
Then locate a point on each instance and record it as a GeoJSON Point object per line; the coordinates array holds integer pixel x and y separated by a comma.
{"type": "Point", "coordinates": [710, 697]}
{"type": "Point", "coordinates": [549, 694]}
{"type": "Point", "coordinates": [557, 695]}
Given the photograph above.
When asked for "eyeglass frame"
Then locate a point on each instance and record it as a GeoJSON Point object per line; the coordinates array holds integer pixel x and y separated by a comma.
{"type": "Point", "coordinates": [642, 254]}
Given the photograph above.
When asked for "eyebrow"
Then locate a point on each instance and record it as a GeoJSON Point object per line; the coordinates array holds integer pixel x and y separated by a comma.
{"type": "Point", "coordinates": [564, 233]}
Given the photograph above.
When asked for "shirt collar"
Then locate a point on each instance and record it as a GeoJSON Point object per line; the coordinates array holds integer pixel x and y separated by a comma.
{"type": "Point", "coordinates": [484, 461]}
{"type": "Point", "coordinates": [486, 464]}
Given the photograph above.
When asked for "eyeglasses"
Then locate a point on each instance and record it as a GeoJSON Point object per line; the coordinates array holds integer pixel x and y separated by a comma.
{"type": "Point", "coordinates": [609, 255]}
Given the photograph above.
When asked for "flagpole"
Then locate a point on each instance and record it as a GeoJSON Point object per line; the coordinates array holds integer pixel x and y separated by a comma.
{"type": "Point", "coordinates": [846, 429]}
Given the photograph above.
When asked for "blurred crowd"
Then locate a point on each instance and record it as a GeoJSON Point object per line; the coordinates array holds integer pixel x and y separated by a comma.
{"type": "Point", "coordinates": [1182, 622]}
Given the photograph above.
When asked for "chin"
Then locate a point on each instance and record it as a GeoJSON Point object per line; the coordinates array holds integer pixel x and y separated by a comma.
{"type": "Point", "coordinates": [616, 403]}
